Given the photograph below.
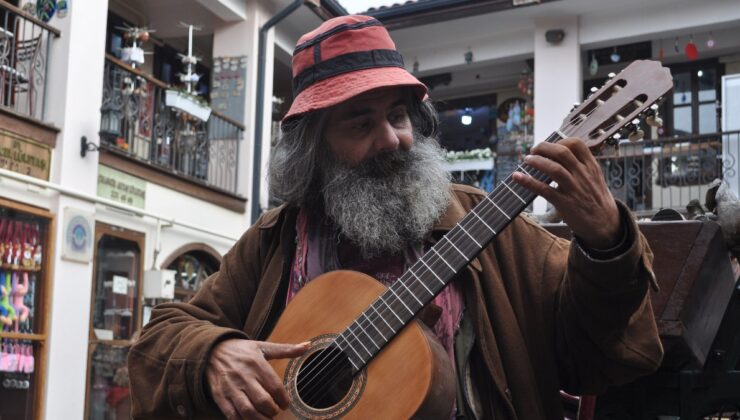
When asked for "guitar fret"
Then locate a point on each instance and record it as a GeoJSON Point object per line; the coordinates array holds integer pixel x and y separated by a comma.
{"type": "Point", "coordinates": [393, 330]}
{"type": "Point", "coordinates": [369, 353]}
{"type": "Point", "coordinates": [471, 236]}
{"type": "Point", "coordinates": [524, 170]}
{"type": "Point", "coordinates": [391, 309]}
{"type": "Point", "coordinates": [514, 192]}
{"type": "Point", "coordinates": [412, 293]}
{"type": "Point", "coordinates": [420, 282]}
{"type": "Point", "coordinates": [498, 208]}
{"type": "Point", "coordinates": [432, 271]}
{"type": "Point", "coordinates": [483, 221]}
{"type": "Point", "coordinates": [401, 300]}
{"type": "Point", "coordinates": [353, 349]}
{"type": "Point", "coordinates": [456, 249]}
{"type": "Point", "coordinates": [376, 328]}
{"type": "Point", "coordinates": [445, 261]}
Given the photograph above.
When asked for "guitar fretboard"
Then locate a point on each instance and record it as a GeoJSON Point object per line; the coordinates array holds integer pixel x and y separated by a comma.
{"type": "Point", "coordinates": [419, 284]}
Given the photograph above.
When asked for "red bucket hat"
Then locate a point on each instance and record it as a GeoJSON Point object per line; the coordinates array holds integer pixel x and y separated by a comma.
{"type": "Point", "coordinates": [342, 58]}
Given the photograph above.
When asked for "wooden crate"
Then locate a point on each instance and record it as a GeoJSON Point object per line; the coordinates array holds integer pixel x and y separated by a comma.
{"type": "Point", "coordinates": [696, 277]}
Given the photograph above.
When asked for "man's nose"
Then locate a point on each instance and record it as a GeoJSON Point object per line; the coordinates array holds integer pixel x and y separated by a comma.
{"type": "Point", "coordinates": [386, 138]}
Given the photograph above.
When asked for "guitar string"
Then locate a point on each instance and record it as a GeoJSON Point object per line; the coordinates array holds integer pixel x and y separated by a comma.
{"type": "Point", "coordinates": [569, 125]}
{"type": "Point", "coordinates": [329, 367]}
{"type": "Point", "coordinates": [486, 207]}
{"type": "Point", "coordinates": [359, 321]}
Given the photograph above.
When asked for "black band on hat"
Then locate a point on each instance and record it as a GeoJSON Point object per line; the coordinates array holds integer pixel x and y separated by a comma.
{"type": "Point", "coordinates": [339, 28]}
{"type": "Point", "coordinates": [346, 63]}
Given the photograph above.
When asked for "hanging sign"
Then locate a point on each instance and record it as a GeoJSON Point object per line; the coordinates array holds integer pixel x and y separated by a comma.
{"type": "Point", "coordinates": [23, 155]}
{"type": "Point", "coordinates": [121, 187]}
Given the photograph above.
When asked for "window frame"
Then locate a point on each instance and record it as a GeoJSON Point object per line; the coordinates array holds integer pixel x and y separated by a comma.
{"type": "Point", "coordinates": [692, 68]}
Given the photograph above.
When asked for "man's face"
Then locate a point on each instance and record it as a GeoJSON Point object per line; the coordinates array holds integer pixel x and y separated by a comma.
{"type": "Point", "coordinates": [383, 185]}
{"type": "Point", "coordinates": [368, 125]}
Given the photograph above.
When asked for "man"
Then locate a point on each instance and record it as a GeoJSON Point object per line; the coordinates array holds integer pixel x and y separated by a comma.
{"type": "Point", "coordinates": [365, 189]}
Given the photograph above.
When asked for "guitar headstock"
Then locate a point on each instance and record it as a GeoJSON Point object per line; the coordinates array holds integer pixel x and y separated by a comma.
{"type": "Point", "coordinates": [617, 105]}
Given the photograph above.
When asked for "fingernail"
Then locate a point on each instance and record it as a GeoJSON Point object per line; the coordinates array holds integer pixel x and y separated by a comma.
{"type": "Point", "coordinates": [527, 157]}
{"type": "Point", "coordinates": [305, 344]}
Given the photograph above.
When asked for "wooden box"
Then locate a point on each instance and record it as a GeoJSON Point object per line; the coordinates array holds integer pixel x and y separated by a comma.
{"type": "Point", "coordinates": [696, 276]}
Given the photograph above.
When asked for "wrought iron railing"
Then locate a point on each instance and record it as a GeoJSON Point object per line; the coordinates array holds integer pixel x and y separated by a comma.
{"type": "Point", "coordinates": [669, 172]}
{"type": "Point", "coordinates": [24, 49]}
{"type": "Point", "coordinates": [136, 120]}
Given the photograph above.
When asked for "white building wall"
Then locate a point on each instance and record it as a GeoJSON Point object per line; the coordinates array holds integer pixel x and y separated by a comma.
{"type": "Point", "coordinates": [237, 39]}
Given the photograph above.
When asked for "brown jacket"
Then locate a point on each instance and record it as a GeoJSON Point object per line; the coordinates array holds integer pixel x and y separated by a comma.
{"type": "Point", "coordinates": [546, 317]}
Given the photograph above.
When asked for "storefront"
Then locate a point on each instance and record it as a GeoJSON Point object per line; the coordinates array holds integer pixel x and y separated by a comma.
{"type": "Point", "coordinates": [120, 307]}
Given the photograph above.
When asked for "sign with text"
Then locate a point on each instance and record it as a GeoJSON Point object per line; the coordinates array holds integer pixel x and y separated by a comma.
{"type": "Point", "coordinates": [228, 93]}
{"type": "Point", "coordinates": [23, 155]}
{"type": "Point", "coordinates": [121, 187]}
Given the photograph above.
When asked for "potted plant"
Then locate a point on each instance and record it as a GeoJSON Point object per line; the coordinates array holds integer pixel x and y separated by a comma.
{"type": "Point", "coordinates": [188, 103]}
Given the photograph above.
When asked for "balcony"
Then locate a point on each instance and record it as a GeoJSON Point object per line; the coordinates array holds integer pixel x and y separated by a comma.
{"type": "Point", "coordinates": [137, 124]}
{"type": "Point", "coordinates": [24, 49]}
{"type": "Point", "coordinates": [669, 172]}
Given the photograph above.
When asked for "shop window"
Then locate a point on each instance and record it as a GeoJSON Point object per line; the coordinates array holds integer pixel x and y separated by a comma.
{"type": "Point", "coordinates": [692, 108]}
{"type": "Point", "coordinates": [114, 320]}
{"type": "Point", "coordinates": [24, 245]}
{"type": "Point", "coordinates": [192, 265]}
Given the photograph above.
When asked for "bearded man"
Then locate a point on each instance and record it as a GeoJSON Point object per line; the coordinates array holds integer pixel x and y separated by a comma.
{"type": "Point", "coordinates": [362, 178]}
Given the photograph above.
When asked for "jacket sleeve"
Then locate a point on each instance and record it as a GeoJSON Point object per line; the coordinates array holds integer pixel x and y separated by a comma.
{"type": "Point", "coordinates": [605, 330]}
{"type": "Point", "coordinates": [167, 363]}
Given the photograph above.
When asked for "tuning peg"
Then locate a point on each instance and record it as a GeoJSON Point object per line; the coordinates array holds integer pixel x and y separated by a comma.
{"type": "Point", "coordinates": [636, 121]}
{"type": "Point", "coordinates": [594, 89]}
{"type": "Point", "coordinates": [617, 136]}
{"type": "Point", "coordinates": [575, 105]}
{"type": "Point", "coordinates": [654, 121]}
{"type": "Point", "coordinates": [636, 135]}
{"type": "Point", "coordinates": [654, 107]}
{"type": "Point", "coordinates": [612, 75]}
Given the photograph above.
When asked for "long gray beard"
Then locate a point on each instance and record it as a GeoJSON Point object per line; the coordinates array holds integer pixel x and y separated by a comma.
{"type": "Point", "coordinates": [390, 201]}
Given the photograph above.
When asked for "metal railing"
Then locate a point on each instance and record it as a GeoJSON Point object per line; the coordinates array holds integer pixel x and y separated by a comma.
{"type": "Point", "coordinates": [669, 172]}
{"type": "Point", "coordinates": [136, 120]}
{"type": "Point", "coordinates": [24, 49]}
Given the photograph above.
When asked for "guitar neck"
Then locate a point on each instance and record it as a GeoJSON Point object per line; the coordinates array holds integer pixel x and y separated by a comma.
{"type": "Point", "coordinates": [419, 284]}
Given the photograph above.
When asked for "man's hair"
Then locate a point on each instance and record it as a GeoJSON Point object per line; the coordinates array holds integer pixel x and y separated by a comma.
{"type": "Point", "coordinates": [294, 172]}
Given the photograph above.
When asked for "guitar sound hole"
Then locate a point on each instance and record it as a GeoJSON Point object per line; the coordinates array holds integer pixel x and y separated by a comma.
{"type": "Point", "coordinates": [325, 378]}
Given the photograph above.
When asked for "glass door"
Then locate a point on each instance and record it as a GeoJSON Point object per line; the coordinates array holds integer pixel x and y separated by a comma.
{"type": "Point", "coordinates": [116, 312]}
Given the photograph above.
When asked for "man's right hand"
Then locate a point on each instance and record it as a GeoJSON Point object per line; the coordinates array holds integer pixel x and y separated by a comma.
{"type": "Point", "coordinates": [242, 383]}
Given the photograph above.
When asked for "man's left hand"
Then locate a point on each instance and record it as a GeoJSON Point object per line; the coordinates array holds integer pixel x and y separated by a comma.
{"type": "Point", "coordinates": [581, 197]}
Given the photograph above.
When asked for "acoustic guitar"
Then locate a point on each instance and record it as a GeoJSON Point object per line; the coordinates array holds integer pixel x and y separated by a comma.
{"type": "Point", "coordinates": [369, 356]}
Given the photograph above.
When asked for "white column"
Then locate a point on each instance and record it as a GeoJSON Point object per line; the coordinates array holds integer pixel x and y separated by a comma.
{"type": "Point", "coordinates": [241, 39]}
{"type": "Point", "coordinates": [557, 79]}
{"type": "Point", "coordinates": [75, 86]}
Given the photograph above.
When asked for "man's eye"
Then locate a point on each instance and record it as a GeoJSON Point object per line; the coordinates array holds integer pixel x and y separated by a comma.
{"type": "Point", "coordinates": [361, 126]}
{"type": "Point", "coordinates": [398, 117]}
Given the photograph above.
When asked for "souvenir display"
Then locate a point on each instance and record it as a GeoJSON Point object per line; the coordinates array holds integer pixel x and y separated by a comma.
{"type": "Point", "coordinates": [21, 267]}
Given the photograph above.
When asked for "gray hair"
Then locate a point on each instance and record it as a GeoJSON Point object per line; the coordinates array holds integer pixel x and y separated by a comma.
{"type": "Point", "coordinates": [294, 172]}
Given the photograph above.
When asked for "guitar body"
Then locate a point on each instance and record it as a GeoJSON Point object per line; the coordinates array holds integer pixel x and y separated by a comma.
{"type": "Point", "coordinates": [410, 377]}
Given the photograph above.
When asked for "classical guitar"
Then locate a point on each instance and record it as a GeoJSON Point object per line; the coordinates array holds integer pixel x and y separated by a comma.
{"type": "Point", "coordinates": [363, 334]}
